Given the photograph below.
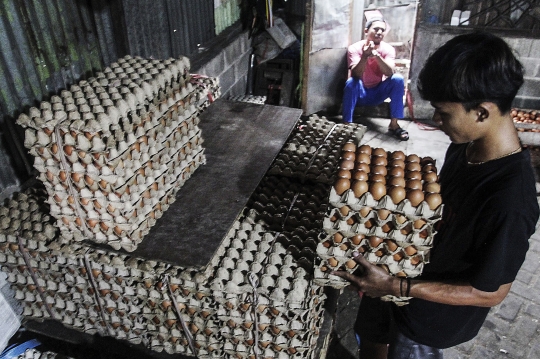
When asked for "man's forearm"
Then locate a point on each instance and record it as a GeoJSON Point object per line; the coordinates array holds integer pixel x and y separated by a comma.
{"type": "Point", "coordinates": [457, 293]}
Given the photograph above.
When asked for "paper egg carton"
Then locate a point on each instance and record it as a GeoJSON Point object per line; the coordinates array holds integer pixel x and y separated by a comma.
{"type": "Point", "coordinates": [312, 151]}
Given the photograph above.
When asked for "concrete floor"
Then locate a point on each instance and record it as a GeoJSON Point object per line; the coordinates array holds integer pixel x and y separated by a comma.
{"type": "Point", "coordinates": [511, 330]}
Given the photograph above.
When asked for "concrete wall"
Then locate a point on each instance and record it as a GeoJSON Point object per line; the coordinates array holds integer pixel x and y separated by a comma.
{"type": "Point", "coordinates": [226, 58]}
{"type": "Point", "coordinates": [430, 37]}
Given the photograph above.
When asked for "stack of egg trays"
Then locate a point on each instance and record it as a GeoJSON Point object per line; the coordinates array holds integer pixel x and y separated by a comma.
{"type": "Point", "coordinates": [97, 291]}
{"type": "Point", "coordinates": [295, 210]}
{"type": "Point", "coordinates": [34, 353]}
{"type": "Point", "coordinates": [402, 252]}
{"type": "Point", "coordinates": [313, 151]}
{"type": "Point", "coordinates": [287, 315]}
{"type": "Point", "coordinates": [112, 168]}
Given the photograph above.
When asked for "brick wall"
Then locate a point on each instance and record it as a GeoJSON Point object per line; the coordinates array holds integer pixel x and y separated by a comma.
{"type": "Point", "coordinates": [227, 58]}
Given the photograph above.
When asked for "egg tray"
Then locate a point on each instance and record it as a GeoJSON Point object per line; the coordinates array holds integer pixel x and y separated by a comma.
{"type": "Point", "coordinates": [259, 100]}
{"type": "Point", "coordinates": [417, 231]}
{"type": "Point", "coordinates": [285, 204]}
{"type": "Point", "coordinates": [391, 253]}
{"type": "Point", "coordinates": [312, 151]}
{"type": "Point", "coordinates": [404, 207]}
{"type": "Point", "coordinates": [134, 298]}
{"type": "Point", "coordinates": [129, 93]}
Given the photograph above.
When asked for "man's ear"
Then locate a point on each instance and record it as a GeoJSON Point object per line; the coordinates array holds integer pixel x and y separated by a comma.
{"type": "Point", "coordinates": [482, 113]}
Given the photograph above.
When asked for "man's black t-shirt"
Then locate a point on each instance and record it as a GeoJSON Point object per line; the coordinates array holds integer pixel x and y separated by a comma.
{"type": "Point", "coordinates": [490, 212]}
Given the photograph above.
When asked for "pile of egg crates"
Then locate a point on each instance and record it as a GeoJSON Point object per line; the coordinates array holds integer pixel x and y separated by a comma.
{"type": "Point", "coordinates": [392, 226]}
{"type": "Point", "coordinates": [113, 150]}
{"type": "Point", "coordinates": [256, 294]}
{"type": "Point", "coordinates": [253, 294]}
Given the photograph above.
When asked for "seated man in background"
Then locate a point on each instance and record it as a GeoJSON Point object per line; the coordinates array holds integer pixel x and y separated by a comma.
{"type": "Point", "coordinates": [371, 65]}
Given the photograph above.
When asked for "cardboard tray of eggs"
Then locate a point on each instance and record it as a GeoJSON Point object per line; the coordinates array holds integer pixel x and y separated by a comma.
{"type": "Point", "coordinates": [384, 205]}
{"type": "Point", "coordinates": [527, 123]}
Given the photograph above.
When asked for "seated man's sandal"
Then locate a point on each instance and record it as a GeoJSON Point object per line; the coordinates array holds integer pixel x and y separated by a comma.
{"type": "Point", "coordinates": [399, 133]}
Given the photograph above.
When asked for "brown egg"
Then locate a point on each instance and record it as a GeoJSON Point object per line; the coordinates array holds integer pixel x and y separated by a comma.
{"type": "Point", "coordinates": [429, 168]}
{"type": "Point", "coordinates": [338, 237]}
{"type": "Point", "coordinates": [398, 155]}
{"type": "Point", "coordinates": [378, 190]}
{"type": "Point", "coordinates": [357, 239]}
{"type": "Point", "coordinates": [397, 163]}
{"type": "Point", "coordinates": [364, 149]}
{"type": "Point", "coordinates": [327, 244]}
{"type": "Point", "coordinates": [359, 188]}
{"type": "Point", "coordinates": [406, 230]}
{"type": "Point", "coordinates": [362, 167]}
{"type": "Point", "coordinates": [419, 223]}
{"type": "Point", "coordinates": [400, 218]}
{"type": "Point", "coordinates": [417, 175]}
{"type": "Point", "coordinates": [430, 177]}
{"type": "Point", "coordinates": [344, 174]}
{"type": "Point", "coordinates": [397, 194]}
{"type": "Point", "coordinates": [54, 148]}
{"type": "Point", "coordinates": [374, 241]}
{"type": "Point", "coordinates": [344, 210]}
{"type": "Point", "coordinates": [413, 184]}
{"type": "Point", "coordinates": [349, 146]}
{"type": "Point", "coordinates": [350, 221]}
{"type": "Point", "coordinates": [396, 181]}
{"type": "Point", "coordinates": [62, 176]}
{"type": "Point", "coordinates": [413, 166]}
{"type": "Point", "coordinates": [434, 200]}
{"type": "Point", "coordinates": [379, 161]}
{"type": "Point", "coordinates": [398, 256]}
{"type": "Point", "coordinates": [396, 172]}
{"type": "Point", "coordinates": [410, 250]}
{"type": "Point", "coordinates": [412, 158]}
{"type": "Point", "coordinates": [332, 262]}
{"type": "Point", "coordinates": [362, 158]}
{"type": "Point", "coordinates": [383, 213]}
{"type": "Point", "coordinates": [387, 227]}
{"type": "Point", "coordinates": [432, 187]}
{"type": "Point", "coordinates": [427, 160]}
{"type": "Point", "coordinates": [374, 177]}
{"type": "Point", "coordinates": [391, 244]}
{"type": "Point", "coordinates": [342, 185]}
{"type": "Point", "coordinates": [347, 155]}
{"type": "Point", "coordinates": [350, 264]}
{"type": "Point", "coordinates": [381, 252]}
{"type": "Point", "coordinates": [415, 260]}
{"type": "Point", "coordinates": [380, 170]}
{"type": "Point", "coordinates": [68, 149]}
{"type": "Point", "coordinates": [365, 211]}
{"type": "Point", "coordinates": [415, 196]}
{"type": "Point", "coordinates": [378, 152]}
{"type": "Point", "coordinates": [370, 224]}
{"type": "Point", "coordinates": [360, 175]}
{"type": "Point", "coordinates": [346, 165]}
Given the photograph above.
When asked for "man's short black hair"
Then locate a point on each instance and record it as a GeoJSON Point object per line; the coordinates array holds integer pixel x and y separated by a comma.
{"type": "Point", "coordinates": [471, 69]}
{"type": "Point", "coordinates": [375, 19]}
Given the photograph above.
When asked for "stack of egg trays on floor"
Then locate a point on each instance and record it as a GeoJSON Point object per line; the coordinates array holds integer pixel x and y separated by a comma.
{"type": "Point", "coordinates": [112, 294]}
{"type": "Point", "coordinates": [313, 149]}
{"type": "Point", "coordinates": [392, 226]}
{"type": "Point", "coordinates": [267, 300]}
{"type": "Point", "coordinates": [34, 353]}
{"type": "Point", "coordinates": [113, 150]}
{"type": "Point", "coordinates": [102, 292]}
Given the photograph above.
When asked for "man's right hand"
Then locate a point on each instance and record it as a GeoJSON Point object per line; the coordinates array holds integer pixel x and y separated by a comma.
{"type": "Point", "coordinates": [368, 49]}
